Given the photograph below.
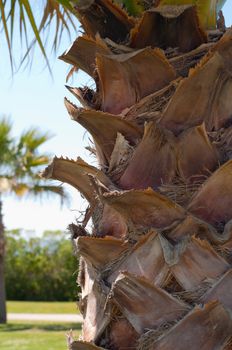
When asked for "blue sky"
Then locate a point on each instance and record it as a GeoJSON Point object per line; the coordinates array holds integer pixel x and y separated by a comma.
{"type": "Point", "coordinates": [33, 98]}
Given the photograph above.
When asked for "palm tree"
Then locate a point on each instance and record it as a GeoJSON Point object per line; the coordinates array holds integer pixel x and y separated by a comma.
{"type": "Point", "coordinates": [20, 161]}
{"type": "Point", "coordinates": [156, 270]}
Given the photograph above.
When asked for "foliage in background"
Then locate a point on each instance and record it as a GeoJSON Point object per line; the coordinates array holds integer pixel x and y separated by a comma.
{"type": "Point", "coordinates": [133, 7]}
{"type": "Point", "coordinates": [40, 268]}
{"type": "Point", "coordinates": [21, 160]}
{"type": "Point", "coordinates": [33, 20]}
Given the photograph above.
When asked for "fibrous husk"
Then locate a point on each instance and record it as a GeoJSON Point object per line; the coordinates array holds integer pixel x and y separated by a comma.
{"type": "Point", "coordinates": [181, 190]}
{"type": "Point", "coordinates": [144, 209]}
{"type": "Point", "coordinates": [183, 63]}
{"type": "Point", "coordinates": [212, 327]}
{"type": "Point", "coordinates": [150, 107]}
{"type": "Point", "coordinates": [203, 96]}
{"type": "Point", "coordinates": [104, 17]}
{"type": "Point", "coordinates": [153, 162]}
{"type": "Point", "coordinates": [223, 141]}
{"type": "Point", "coordinates": [126, 78]}
{"type": "Point", "coordinates": [169, 26]}
{"type": "Point", "coordinates": [86, 96]}
{"type": "Point", "coordinates": [213, 201]}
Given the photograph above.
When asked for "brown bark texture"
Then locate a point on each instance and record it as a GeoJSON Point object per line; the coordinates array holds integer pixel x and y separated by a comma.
{"type": "Point", "coordinates": [155, 271]}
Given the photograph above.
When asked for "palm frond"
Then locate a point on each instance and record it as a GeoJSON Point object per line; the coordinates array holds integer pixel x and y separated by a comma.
{"type": "Point", "coordinates": [38, 189]}
{"type": "Point", "coordinates": [54, 14]}
{"type": "Point", "coordinates": [133, 7]}
{"type": "Point", "coordinates": [42, 189]}
{"type": "Point", "coordinates": [21, 161]}
{"type": "Point", "coordinates": [33, 138]}
{"type": "Point", "coordinates": [5, 139]}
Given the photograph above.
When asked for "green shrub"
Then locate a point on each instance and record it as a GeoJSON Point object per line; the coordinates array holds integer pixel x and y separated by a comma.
{"type": "Point", "coordinates": [40, 268]}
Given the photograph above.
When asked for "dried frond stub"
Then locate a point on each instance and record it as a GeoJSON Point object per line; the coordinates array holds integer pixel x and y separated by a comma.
{"type": "Point", "coordinates": [75, 173]}
{"type": "Point", "coordinates": [82, 53]}
{"type": "Point", "coordinates": [104, 128]}
{"type": "Point", "coordinates": [213, 201]}
{"type": "Point", "coordinates": [196, 263]}
{"type": "Point", "coordinates": [169, 26]}
{"type": "Point", "coordinates": [191, 166]}
{"type": "Point", "coordinates": [104, 17]}
{"type": "Point", "coordinates": [125, 79]}
{"type": "Point", "coordinates": [144, 209]}
{"type": "Point", "coordinates": [101, 251]}
{"type": "Point", "coordinates": [211, 323]}
{"type": "Point", "coordinates": [145, 259]}
{"type": "Point", "coordinates": [209, 86]}
{"type": "Point", "coordinates": [150, 161]}
{"type": "Point", "coordinates": [160, 307]}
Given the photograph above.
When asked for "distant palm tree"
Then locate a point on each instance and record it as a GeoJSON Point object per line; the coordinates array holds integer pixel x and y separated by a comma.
{"type": "Point", "coordinates": [20, 161]}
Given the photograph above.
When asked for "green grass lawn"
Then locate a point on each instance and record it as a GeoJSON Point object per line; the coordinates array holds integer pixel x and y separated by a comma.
{"type": "Point", "coordinates": [40, 307]}
{"type": "Point", "coordinates": [37, 336]}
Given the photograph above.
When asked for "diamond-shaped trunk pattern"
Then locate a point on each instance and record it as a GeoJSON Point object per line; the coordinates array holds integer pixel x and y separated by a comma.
{"type": "Point", "coordinates": [156, 270]}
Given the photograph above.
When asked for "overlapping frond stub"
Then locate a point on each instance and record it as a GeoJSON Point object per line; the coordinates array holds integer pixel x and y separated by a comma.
{"type": "Point", "coordinates": [82, 53]}
{"type": "Point", "coordinates": [163, 27]}
{"type": "Point", "coordinates": [75, 173]}
{"type": "Point", "coordinates": [157, 150]}
{"type": "Point", "coordinates": [104, 17]}
{"type": "Point", "coordinates": [137, 74]}
{"type": "Point", "coordinates": [104, 128]}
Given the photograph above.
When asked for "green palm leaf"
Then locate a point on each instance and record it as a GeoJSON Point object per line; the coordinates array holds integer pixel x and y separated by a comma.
{"type": "Point", "coordinates": [21, 12]}
{"type": "Point", "coordinates": [133, 7]}
{"type": "Point", "coordinates": [21, 161]}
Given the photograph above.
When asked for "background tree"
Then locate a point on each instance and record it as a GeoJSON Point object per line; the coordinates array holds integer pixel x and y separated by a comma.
{"type": "Point", "coordinates": [20, 162]}
{"type": "Point", "coordinates": [46, 265]}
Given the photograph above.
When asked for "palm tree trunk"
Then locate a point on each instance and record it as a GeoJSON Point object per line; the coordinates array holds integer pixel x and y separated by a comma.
{"type": "Point", "coordinates": [2, 278]}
